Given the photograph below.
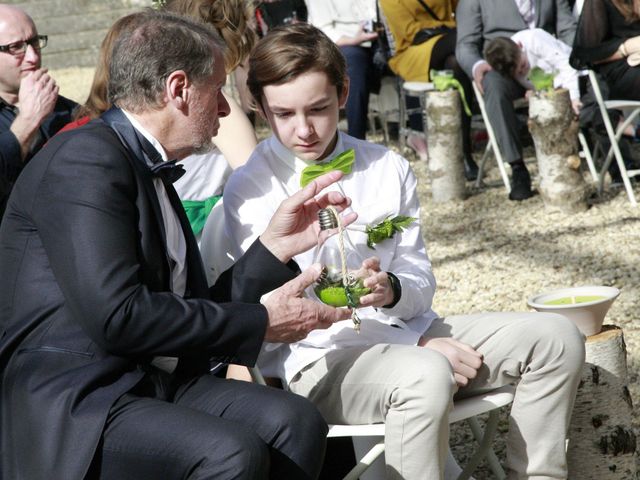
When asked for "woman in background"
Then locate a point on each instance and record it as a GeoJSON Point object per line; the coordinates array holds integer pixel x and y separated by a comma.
{"type": "Point", "coordinates": [202, 185]}
{"type": "Point", "coordinates": [417, 53]}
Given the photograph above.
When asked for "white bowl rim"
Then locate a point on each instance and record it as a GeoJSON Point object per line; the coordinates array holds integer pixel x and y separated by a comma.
{"type": "Point", "coordinates": [611, 293]}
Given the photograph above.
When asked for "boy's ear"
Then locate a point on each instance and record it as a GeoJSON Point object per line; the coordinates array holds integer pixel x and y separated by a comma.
{"type": "Point", "coordinates": [342, 100]}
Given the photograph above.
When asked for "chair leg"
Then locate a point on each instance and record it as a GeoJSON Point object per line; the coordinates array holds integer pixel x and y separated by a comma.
{"type": "Point", "coordinates": [588, 157]}
{"type": "Point", "coordinates": [485, 157]}
{"type": "Point", "coordinates": [492, 458]}
{"type": "Point", "coordinates": [365, 462]}
{"type": "Point", "coordinates": [484, 443]}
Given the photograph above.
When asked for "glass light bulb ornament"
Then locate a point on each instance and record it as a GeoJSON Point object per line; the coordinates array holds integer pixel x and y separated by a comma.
{"type": "Point", "coordinates": [341, 282]}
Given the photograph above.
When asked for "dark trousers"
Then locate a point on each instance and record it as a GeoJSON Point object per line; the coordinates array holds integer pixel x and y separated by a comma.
{"type": "Point", "coordinates": [443, 58]}
{"type": "Point", "coordinates": [360, 73]}
{"type": "Point", "coordinates": [499, 94]}
{"type": "Point", "coordinates": [210, 428]}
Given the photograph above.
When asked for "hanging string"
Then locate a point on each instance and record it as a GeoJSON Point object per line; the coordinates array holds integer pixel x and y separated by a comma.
{"type": "Point", "coordinates": [347, 283]}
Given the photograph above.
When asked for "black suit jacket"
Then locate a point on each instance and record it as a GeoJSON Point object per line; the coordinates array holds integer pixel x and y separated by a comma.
{"type": "Point", "coordinates": [85, 301]}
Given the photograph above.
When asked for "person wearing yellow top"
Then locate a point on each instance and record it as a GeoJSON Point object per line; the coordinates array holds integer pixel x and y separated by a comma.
{"type": "Point", "coordinates": [414, 25]}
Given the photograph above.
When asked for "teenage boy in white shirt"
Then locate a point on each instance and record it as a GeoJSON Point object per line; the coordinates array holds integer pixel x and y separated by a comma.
{"type": "Point", "coordinates": [514, 57]}
{"type": "Point", "coordinates": [407, 363]}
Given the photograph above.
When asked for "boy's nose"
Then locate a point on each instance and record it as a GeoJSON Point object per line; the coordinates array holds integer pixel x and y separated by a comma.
{"type": "Point", "coordinates": [304, 128]}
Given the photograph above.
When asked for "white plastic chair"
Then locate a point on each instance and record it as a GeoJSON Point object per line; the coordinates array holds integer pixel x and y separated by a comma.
{"type": "Point", "coordinates": [372, 435]}
{"type": "Point", "coordinates": [632, 110]}
{"type": "Point", "coordinates": [492, 144]}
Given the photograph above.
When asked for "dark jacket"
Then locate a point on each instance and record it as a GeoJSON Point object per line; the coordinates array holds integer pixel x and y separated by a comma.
{"type": "Point", "coordinates": [85, 301]}
{"type": "Point", "coordinates": [11, 162]}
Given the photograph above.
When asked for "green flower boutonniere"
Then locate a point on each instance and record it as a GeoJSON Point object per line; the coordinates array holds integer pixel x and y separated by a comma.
{"type": "Point", "coordinates": [387, 229]}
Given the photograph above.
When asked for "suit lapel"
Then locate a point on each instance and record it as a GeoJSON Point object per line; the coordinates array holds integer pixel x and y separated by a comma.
{"type": "Point", "coordinates": [115, 119]}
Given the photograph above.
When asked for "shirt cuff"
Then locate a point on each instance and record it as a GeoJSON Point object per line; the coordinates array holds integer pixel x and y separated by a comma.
{"type": "Point", "coordinates": [476, 65]}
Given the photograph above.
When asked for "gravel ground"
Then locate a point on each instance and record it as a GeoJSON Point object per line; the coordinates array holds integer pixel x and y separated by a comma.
{"type": "Point", "coordinates": [490, 254]}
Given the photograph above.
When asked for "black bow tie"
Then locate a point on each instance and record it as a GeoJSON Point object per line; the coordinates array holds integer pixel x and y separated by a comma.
{"type": "Point", "coordinates": [168, 172]}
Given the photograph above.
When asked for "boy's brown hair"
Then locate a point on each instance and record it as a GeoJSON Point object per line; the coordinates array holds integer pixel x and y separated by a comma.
{"type": "Point", "coordinates": [503, 54]}
{"type": "Point", "coordinates": [289, 51]}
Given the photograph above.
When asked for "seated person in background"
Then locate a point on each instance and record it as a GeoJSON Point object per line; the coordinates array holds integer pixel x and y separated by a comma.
{"type": "Point", "coordinates": [608, 42]}
{"type": "Point", "coordinates": [417, 54]}
{"type": "Point", "coordinates": [514, 57]}
{"type": "Point", "coordinates": [344, 23]}
{"type": "Point", "coordinates": [31, 111]}
{"type": "Point", "coordinates": [405, 365]}
{"type": "Point", "coordinates": [107, 329]}
{"type": "Point", "coordinates": [206, 174]}
{"type": "Point", "coordinates": [482, 20]}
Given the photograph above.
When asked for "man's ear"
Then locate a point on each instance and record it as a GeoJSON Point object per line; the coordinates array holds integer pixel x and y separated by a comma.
{"type": "Point", "coordinates": [177, 89]}
{"type": "Point", "coordinates": [342, 99]}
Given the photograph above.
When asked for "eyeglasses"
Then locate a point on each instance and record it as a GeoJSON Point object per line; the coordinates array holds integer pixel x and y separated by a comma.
{"type": "Point", "coordinates": [19, 48]}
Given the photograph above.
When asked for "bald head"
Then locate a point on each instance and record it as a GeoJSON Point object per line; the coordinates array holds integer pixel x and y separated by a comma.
{"type": "Point", "coordinates": [12, 16]}
{"type": "Point", "coordinates": [16, 26]}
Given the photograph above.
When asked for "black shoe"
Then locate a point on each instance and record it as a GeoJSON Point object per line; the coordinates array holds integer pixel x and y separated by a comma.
{"type": "Point", "coordinates": [470, 169]}
{"type": "Point", "coordinates": [520, 183]}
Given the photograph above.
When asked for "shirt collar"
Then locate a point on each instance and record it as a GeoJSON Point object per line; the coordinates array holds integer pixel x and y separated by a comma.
{"type": "Point", "coordinates": [143, 131]}
{"type": "Point", "coordinates": [297, 164]}
{"type": "Point", "coordinates": [8, 106]}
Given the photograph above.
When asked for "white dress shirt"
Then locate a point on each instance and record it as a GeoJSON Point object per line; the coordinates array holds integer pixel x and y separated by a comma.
{"type": "Point", "coordinates": [337, 18]}
{"type": "Point", "coordinates": [527, 9]}
{"type": "Point", "coordinates": [551, 55]}
{"type": "Point", "coordinates": [380, 185]}
{"type": "Point", "coordinates": [176, 243]}
{"type": "Point", "coordinates": [205, 176]}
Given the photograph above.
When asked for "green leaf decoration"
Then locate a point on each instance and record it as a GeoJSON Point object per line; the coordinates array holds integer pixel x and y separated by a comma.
{"type": "Point", "coordinates": [541, 80]}
{"type": "Point", "coordinates": [387, 229]}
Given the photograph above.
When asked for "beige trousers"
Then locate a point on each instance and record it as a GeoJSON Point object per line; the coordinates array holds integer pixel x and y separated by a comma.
{"type": "Point", "coordinates": [411, 388]}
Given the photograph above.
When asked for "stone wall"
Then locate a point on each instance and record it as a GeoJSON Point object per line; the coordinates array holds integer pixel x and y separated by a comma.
{"type": "Point", "coordinates": [75, 27]}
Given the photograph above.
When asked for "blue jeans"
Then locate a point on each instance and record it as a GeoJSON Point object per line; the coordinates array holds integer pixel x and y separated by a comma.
{"type": "Point", "coordinates": [360, 72]}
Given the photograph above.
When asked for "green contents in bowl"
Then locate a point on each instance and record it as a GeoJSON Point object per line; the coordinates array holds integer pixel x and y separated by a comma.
{"type": "Point", "coordinates": [574, 300]}
{"type": "Point", "coordinates": [334, 293]}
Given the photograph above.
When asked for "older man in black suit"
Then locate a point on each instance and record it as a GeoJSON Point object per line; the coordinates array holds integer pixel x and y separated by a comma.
{"type": "Point", "coordinates": [107, 333]}
{"type": "Point", "coordinates": [481, 20]}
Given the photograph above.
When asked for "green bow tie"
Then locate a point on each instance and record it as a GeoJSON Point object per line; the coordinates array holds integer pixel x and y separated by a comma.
{"type": "Point", "coordinates": [444, 82]}
{"type": "Point", "coordinates": [198, 211]}
{"type": "Point", "coordinates": [343, 162]}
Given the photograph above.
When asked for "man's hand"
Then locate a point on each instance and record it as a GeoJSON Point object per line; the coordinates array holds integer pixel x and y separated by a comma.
{"type": "Point", "coordinates": [381, 292]}
{"type": "Point", "coordinates": [293, 228]}
{"type": "Point", "coordinates": [291, 317]}
{"type": "Point", "coordinates": [36, 100]}
{"type": "Point", "coordinates": [359, 38]}
{"type": "Point", "coordinates": [464, 359]}
{"type": "Point", "coordinates": [478, 74]}
{"type": "Point", "coordinates": [632, 45]}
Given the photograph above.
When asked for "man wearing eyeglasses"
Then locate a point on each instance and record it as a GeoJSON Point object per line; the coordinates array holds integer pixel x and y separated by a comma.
{"type": "Point", "coordinates": [31, 111]}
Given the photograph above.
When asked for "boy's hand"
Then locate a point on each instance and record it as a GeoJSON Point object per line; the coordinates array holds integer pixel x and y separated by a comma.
{"type": "Point", "coordinates": [293, 228]}
{"type": "Point", "coordinates": [291, 317]}
{"type": "Point", "coordinates": [381, 292]}
{"type": "Point", "coordinates": [464, 359]}
{"type": "Point", "coordinates": [576, 104]}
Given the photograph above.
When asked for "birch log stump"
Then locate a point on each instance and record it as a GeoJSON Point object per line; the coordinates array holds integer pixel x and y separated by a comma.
{"type": "Point", "coordinates": [602, 443]}
{"type": "Point", "coordinates": [444, 145]}
{"type": "Point", "coordinates": [554, 129]}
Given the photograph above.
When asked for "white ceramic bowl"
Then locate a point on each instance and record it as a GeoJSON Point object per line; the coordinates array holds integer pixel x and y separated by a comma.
{"type": "Point", "coordinates": [588, 316]}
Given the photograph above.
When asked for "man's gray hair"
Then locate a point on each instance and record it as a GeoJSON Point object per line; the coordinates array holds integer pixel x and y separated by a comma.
{"type": "Point", "coordinates": [145, 56]}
